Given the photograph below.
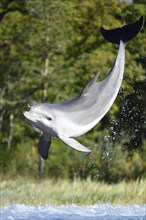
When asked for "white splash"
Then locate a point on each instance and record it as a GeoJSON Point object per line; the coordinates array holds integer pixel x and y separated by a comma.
{"type": "Point", "coordinates": [73, 212]}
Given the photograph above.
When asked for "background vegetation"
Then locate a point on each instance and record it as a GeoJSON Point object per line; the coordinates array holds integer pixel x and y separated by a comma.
{"type": "Point", "coordinates": [49, 191]}
{"type": "Point", "coordinates": [48, 52]}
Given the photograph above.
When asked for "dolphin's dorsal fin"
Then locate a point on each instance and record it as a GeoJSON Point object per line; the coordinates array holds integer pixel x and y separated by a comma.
{"type": "Point", "coordinates": [90, 84]}
{"type": "Point", "coordinates": [43, 146]}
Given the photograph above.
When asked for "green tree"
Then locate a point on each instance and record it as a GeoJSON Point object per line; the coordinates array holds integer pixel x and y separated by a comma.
{"type": "Point", "coordinates": [49, 51]}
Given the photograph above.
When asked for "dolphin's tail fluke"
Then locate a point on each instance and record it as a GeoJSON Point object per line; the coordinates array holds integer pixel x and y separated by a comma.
{"type": "Point", "coordinates": [124, 33]}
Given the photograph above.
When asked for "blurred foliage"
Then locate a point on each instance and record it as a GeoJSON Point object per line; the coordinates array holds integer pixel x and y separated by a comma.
{"type": "Point", "coordinates": [32, 191]}
{"type": "Point", "coordinates": [76, 51]}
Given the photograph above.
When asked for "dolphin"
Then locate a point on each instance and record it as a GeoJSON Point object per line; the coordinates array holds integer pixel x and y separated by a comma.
{"type": "Point", "coordinates": [73, 118]}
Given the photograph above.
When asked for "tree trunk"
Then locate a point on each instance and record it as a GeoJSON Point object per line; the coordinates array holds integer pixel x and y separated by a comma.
{"type": "Point", "coordinates": [40, 167]}
{"type": "Point", "coordinates": [45, 74]}
{"type": "Point", "coordinates": [11, 124]}
{"type": "Point", "coordinates": [1, 118]}
{"type": "Point", "coordinates": [2, 109]}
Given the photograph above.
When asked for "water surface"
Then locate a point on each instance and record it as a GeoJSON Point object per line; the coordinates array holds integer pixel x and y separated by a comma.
{"type": "Point", "coordinates": [73, 212]}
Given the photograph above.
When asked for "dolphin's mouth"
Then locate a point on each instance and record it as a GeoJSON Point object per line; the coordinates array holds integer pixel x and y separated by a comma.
{"type": "Point", "coordinates": [27, 114]}
{"type": "Point", "coordinates": [31, 115]}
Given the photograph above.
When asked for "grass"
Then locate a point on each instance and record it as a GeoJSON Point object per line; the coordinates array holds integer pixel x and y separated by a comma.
{"type": "Point", "coordinates": [58, 192]}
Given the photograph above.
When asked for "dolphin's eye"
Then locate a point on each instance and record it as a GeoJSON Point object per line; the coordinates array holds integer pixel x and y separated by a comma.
{"type": "Point", "coordinates": [49, 118]}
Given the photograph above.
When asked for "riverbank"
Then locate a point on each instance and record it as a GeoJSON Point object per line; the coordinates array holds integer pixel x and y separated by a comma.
{"type": "Point", "coordinates": [64, 192]}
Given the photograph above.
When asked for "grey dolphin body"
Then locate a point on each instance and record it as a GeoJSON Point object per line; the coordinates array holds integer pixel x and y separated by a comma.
{"type": "Point", "coordinates": [70, 119]}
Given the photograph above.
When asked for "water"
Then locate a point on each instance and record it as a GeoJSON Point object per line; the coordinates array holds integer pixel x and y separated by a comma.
{"type": "Point", "coordinates": [73, 212]}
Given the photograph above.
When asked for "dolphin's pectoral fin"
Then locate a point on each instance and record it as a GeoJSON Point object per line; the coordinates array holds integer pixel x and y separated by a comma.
{"type": "Point", "coordinates": [43, 146]}
{"type": "Point", "coordinates": [75, 144]}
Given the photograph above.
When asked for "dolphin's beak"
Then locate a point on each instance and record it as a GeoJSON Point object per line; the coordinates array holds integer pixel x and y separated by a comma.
{"type": "Point", "coordinates": [30, 115]}
{"type": "Point", "coordinates": [26, 114]}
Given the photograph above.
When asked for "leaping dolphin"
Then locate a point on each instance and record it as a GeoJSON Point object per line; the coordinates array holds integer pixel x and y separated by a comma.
{"type": "Point", "coordinates": [70, 119]}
